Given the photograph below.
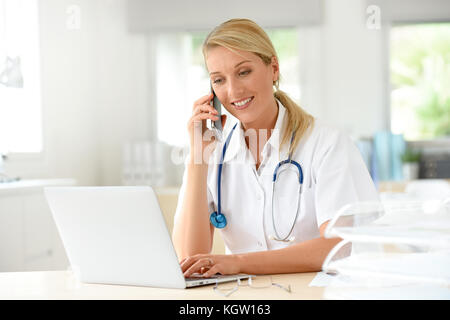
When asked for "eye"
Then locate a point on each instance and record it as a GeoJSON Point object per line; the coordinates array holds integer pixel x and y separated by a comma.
{"type": "Point", "coordinates": [244, 73]}
{"type": "Point", "coordinates": [217, 81]}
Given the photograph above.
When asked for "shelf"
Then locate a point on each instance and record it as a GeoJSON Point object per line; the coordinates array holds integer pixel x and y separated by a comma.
{"type": "Point", "coordinates": [33, 185]}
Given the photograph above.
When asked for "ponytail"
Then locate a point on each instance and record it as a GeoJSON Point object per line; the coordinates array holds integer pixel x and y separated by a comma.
{"type": "Point", "coordinates": [298, 120]}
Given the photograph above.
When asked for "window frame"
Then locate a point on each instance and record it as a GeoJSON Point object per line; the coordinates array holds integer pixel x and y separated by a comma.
{"type": "Point", "coordinates": [14, 157]}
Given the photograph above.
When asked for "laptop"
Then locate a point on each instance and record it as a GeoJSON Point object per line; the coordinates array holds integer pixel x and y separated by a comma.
{"type": "Point", "coordinates": [117, 235]}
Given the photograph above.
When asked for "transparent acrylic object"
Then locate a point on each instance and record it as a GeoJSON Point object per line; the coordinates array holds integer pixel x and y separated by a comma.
{"type": "Point", "coordinates": [389, 264]}
{"type": "Point", "coordinates": [419, 223]}
{"type": "Point", "coordinates": [403, 254]}
{"type": "Point", "coordinates": [354, 214]}
{"type": "Point", "coordinates": [387, 292]}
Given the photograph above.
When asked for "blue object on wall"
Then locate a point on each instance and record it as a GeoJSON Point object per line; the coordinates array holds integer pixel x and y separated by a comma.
{"type": "Point", "coordinates": [398, 146]}
{"type": "Point", "coordinates": [387, 164]}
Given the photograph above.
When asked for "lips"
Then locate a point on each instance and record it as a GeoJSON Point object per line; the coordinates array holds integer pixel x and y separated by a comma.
{"type": "Point", "coordinates": [243, 103]}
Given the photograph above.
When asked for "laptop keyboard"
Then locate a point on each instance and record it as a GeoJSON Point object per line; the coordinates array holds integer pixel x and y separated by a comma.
{"type": "Point", "coordinates": [193, 277]}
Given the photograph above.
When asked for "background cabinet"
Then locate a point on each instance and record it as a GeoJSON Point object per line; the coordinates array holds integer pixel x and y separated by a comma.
{"type": "Point", "coordinates": [29, 240]}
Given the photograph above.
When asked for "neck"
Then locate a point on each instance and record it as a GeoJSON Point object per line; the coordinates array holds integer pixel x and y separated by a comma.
{"type": "Point", "coordinates": [262, 128]}
{"type": "Point", "coordinates": [265, 122]}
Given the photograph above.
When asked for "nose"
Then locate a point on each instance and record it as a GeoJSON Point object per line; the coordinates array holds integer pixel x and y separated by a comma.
{"type": "Point", "coordinates": [235, 89]}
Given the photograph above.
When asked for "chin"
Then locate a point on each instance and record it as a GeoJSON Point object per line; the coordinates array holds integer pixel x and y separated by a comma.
{"type": "Point", "coordinates": [246, 118]}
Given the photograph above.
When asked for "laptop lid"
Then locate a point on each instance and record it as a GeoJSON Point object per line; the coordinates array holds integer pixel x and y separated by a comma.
{"type": "Point", "coordinates": [115, 235]}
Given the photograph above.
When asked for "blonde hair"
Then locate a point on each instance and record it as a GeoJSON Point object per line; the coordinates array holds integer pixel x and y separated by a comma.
{"type": "Point", "coordinates": [246, 35]}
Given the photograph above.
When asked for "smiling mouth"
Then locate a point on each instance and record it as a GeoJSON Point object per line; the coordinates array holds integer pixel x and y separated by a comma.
{"type": "Point", "coordinates": [242, 103]}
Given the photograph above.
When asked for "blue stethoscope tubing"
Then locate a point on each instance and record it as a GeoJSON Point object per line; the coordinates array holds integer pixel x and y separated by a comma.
{"type": "Point", "coordinates": [219, 220]}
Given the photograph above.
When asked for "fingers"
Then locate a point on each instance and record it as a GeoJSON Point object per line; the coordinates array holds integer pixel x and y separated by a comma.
{"type": "Point", "coordinates": [188, 262]}
{"type": "Point", "coordinates": [212, 271]}
{"type": "Point", "coordinates": [195, 264]}
{"type": "Point", "coordinates": [197, 267]}
{"type": "Point", "coordinates": [203, 105]}
{"type": "Point", "coordinates": [224, 120]}
{"type": "Point", "coordinates": [203, 112]}
{"type": "Point", "coordinates": [205, 99]}
{"type": "Point", "coordinates": [196, 126]}
{"type": "Point", "coordinates": [204, 108]}
{"type": "Point", "coordinates": [203, 116]}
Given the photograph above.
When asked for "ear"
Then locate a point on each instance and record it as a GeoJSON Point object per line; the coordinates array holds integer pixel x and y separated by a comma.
{"type": "Point", "coordinates": [275, 69]}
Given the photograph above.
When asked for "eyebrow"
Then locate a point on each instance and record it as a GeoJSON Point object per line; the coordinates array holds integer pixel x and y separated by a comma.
{"type": "Point", "coordinates": [234, 66]}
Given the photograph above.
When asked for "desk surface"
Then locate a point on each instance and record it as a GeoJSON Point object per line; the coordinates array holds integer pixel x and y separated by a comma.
{"type": "Point", "coordinates": [63, 285]}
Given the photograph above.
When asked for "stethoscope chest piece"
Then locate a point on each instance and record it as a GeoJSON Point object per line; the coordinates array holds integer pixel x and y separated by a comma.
{"type": "Point", "coordinates": [218, 220]}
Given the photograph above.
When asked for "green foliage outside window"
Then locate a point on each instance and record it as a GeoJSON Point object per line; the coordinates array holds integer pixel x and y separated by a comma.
{"type": "Point", "coordinates": [420, 79]}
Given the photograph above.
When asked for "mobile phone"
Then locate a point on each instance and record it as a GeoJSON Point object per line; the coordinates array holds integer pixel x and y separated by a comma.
{"type": "Point", "coordinates": [216, 125]}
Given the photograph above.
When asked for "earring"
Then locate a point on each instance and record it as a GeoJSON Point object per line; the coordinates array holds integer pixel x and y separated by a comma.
{"type": "Point", "coordinates": [276, 83]}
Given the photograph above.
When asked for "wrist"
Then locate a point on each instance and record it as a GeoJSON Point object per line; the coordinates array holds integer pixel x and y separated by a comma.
{"type": "Point", "coordinates": [196, 163]}
{"type": "Point", "coordinates": [239, 262]}
{"type": "Point", "coordinates": [201, 153]}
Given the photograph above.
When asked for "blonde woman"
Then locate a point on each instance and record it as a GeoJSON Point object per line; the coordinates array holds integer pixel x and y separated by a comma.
{"type": "Point", "coordinates": [228, 185]}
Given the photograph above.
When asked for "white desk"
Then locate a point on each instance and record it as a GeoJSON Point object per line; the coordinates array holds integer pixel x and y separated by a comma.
{"type": "Point", "coordinates": [58, 285]}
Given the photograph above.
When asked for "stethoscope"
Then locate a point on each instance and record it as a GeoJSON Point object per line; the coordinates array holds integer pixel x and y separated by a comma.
{"type": "Point", "coordinates": [219, 220]}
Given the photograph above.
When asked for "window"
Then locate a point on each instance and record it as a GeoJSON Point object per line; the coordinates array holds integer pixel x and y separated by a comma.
{"type": "Point", "coordinates": [182, 78]}
{"type": "Point", "coordinates": [420, 80]}
{"type": "Point", "coordinates": [20, 108]}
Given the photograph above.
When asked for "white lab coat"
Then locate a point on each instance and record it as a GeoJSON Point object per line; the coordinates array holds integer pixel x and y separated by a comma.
{"type": "Point", "coordinates": [334, 175]}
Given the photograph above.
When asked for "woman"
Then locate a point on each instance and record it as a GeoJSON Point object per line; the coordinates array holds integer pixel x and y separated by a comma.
{"type": "Point", "coordinates": [268, 229]}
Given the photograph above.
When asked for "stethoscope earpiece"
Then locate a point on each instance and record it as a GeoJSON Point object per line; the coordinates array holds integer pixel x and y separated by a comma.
{"type": "Point", "coordinates": [218, 220]}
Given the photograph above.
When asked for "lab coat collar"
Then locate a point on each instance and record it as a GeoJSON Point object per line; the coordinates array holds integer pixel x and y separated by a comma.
{"type": "Point", "coordinates": [237, 148]}
{"type": "Point", "coordinates": [275, 137]}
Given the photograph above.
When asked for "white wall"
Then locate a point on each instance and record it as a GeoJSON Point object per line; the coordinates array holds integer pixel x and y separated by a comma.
{"type": "Point", "coordinates": [124, 90]}
{"type": "Point", "coordinates": [352, 94]}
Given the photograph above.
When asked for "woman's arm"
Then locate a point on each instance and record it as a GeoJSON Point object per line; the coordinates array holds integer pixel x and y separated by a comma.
{"type": "Point", "coordinates": [306, 256]}
{"type": "Point", "coordinates": [192, 233]}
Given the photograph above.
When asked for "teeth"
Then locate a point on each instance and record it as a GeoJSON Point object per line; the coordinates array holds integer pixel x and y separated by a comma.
{"type": "Point", "coordinates": [240, 104]}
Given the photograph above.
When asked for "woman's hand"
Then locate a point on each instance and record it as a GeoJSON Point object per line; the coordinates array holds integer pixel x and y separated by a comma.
{"type": "Point", "coordinates": [201, 111]}
{"type": "Point", "coordinates": [208, 265]}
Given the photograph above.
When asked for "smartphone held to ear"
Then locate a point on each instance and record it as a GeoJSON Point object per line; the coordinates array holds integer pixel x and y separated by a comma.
{"type": "Point", "coordinates": [216, 126]}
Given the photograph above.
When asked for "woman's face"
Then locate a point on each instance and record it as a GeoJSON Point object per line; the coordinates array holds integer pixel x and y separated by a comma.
{"type": "Point", "coordinates": [243, 83]}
